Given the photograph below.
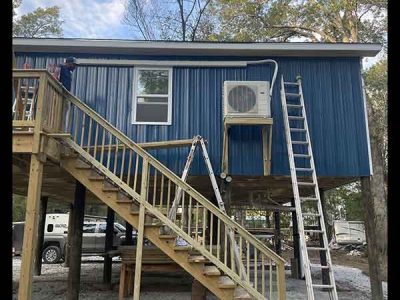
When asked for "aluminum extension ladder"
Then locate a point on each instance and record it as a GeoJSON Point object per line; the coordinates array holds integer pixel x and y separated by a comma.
{"type": "Point", "coordinates": [174, 207]}
{"type": "Point", "coordinates": [308, 204]}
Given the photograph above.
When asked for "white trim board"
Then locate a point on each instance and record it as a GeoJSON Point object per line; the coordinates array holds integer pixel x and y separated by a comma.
{"type": "Point", "coordinates": [160, 63]}
{"type": "Point", "coordinates": [63, 45]}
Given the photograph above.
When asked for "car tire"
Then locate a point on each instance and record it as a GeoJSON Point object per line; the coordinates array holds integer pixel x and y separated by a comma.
{"type": "Point", "coordinates": [51, 255]}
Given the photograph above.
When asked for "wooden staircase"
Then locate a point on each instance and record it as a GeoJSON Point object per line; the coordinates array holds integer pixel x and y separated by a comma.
{"type": "Point", "coordinates": [140, 189]}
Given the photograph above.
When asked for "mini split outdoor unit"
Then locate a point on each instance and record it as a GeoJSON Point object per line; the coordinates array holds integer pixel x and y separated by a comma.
{"type": "Point", "coordinates": [247, 99]}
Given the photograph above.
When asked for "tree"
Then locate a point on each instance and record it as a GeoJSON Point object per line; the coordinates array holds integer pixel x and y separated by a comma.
{"type": "Point", "coordinates": [376, 92]}
{"type": "Point", "coordinates": [313, 20]}
{"type": "Point", "coordinates": [172, 20]}
{"type": "Point", "coordinates": [43, 22]}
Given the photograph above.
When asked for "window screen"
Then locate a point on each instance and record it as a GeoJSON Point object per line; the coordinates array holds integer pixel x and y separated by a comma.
{"type": "Point", "coordinates": [152, 96]}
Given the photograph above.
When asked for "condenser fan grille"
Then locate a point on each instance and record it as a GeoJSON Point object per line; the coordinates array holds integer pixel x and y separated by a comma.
{"type": "Point", "coordinates": [242, 99]}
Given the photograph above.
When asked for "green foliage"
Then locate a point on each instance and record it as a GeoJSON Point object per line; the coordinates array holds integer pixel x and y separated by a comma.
{"type": "Point", "coordinates": [344, 203]}
{"type": "Point", "coordinates": [376, 92]}
{"type": "Point", "coordinates": [314, 20]}
{"type": "Point", "coordinates": [18, 208]}
{"type": "Point", "coordinates": [43, 22]}
{"type": "Point", "coordinates": [15, 4]}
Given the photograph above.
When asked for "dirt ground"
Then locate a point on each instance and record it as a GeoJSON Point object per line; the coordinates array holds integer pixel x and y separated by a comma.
{"type": "Point", "coordinates": [352, 283]}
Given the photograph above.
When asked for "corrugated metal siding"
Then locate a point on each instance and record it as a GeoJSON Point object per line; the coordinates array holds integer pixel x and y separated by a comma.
{"type": "Point", "coordinates": [333, 99]}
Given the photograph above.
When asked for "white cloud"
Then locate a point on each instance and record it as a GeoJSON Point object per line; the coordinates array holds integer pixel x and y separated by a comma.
{"type": "Point", "coordinates": [86, 18]}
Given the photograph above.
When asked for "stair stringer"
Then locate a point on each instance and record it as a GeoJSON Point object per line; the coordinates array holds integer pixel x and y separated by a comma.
{"type": "Point", "coordinates": [180, 257]}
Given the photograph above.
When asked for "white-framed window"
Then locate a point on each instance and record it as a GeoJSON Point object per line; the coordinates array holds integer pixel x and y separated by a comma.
{"type": "Point", "coordinates": [152, 96]}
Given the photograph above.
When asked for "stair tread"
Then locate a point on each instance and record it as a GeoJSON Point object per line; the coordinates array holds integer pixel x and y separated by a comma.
{"type": "Point", "coordinates": [95, 176]}
{"type": "Point", "coordinates": [211, 271]}
{"type": "Point", "coordinates": [80, 164]}
{"type": "Point", "coordinates": [241, 294]}
{"type": "Point", "coordinates": [314, 230]}
{"type": "Point", "coordinates": [197, 258]}
{"type": "Point", "coordinates": [183, 248]}
{"type": "Point", "coordinates": [167, 236]}
{"type": "Point", "coordinates": [159, 224]}
{"type": "Point", "coordinates": [290, 83]}
{"type": "Point", "coordinates": [296, 117]}
{"type": "Point", "coordinates": [226, 282]}
{"type": "Point", "coordinates": [108, 187]}
{"type": "Point", "coordinates": [294, 105]}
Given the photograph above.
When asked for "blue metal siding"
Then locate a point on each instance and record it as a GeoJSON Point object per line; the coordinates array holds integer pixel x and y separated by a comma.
{"type": "Point", "coordinates": [332, 94]}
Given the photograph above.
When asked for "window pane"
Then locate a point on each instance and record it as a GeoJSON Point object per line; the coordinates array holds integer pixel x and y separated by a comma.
{"type": "Point", "coordinates": [153, 82]}
{"type": "Point", "coordinates": [151, 112]}
{"type": "Point", "coordinates": [152, 99]}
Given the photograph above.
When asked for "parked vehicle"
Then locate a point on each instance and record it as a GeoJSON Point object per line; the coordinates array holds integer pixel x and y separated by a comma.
{"type": "Point", "coordinates": [56, 234]}
{"type": "Point", "coordinates": [349, 232]}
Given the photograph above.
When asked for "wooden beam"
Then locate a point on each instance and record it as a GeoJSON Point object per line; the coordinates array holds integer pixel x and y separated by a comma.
{"type": "Point", "coordinates": [76, 243]}
{"type": "Point", "coordinates": [39, 249]}
{"type": "Point", "coordinates": [31, 228]}
{"type": "Point", "coordinates": [107, 266]}
{"type": "Point", "coordinates": [149, 145]}
{"type": "Point", "coordinates": [22, 143]}
{"type": "Point", "coordinates": [140, 231]}
{"type": "Point", "coordinates": [278, 246]}
{"type": "Point", "coordinates": [248, 121]}
{"type": "Point", "coordinates": [69, 235]}
{"type": "Point", "coordinates": [23, 123]}
{"type": "Point", "coordinates": [225, 151]}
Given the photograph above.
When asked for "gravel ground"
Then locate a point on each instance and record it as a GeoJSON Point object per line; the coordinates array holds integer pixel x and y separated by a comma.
{"type": "Point", "coordinates": [351, 283]}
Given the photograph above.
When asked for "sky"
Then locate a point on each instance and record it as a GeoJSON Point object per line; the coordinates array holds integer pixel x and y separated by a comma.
{"type": "Point", "coordinates": [99, 19]}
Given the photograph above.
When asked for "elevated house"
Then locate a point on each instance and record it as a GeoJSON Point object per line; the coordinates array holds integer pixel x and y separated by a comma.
{"type": "Point", "coordinates": [133, 96]}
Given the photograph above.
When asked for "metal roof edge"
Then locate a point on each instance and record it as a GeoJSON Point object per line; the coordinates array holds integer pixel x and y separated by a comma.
{"type": "Point", "coordinates": [95, 46]}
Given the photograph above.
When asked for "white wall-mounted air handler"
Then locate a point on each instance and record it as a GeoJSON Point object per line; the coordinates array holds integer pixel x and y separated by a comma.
{"type": "Point", "coordinates": [247, 99]}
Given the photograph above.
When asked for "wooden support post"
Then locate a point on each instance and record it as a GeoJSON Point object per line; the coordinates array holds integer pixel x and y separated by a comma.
{"type": "Point", "coordinates": [140, 230]}
{"type": "Point", "coordinates": [198, 291]}
{"type": "Point", "coordinates": [296, 245]}
{"type": "Point", "coordinates": [69, 236]}
{"type": "Point", "coordinates": [76, 243]}
{"type": "Point", "coordinates": [225, 150]}
{"type": "Point", "coordinates": [374, 214]}
{"type": "Point", "coordinates": [31, 226]}
{"type": "Point", "coordinates": [107, 269]}
{"type": "Point", "coordinates": [39, 249]}
{"type": "Point", "coordinates": [322, 254]}
{"type": "Point", "coordinates": [277, 219]}
{"type": "Point", "coordinates": [128, 234]}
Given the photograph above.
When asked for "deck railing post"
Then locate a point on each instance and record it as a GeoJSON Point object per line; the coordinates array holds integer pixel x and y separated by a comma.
{"type": "Point", "coordinates": [39, 113]}
{"type": "Point", "coordinates": [140, 237]}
